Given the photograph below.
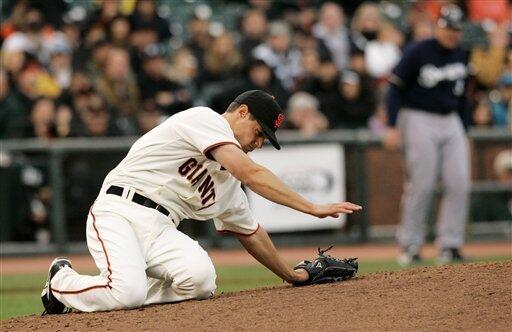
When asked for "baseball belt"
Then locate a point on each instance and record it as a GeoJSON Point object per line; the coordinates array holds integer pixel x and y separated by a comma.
{"type": "Point", "coordinates": [139, 199]}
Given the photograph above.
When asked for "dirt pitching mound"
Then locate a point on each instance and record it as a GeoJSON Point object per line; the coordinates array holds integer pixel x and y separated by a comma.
{"type": "Point", "coordinates": [461, 297]}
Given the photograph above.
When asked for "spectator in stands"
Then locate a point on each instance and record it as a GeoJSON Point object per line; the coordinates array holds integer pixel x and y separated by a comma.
{"type": "Point", "coordinates": [310, 63]}
{"type": "Point", "coordinates": [169, 97]}
{"type": "Point", "coordinates": [98, 20]}
{"type": "Point", "coordinates": [64, 121]}
{"type": "Point", "coordinates": [487, 60]}
{"type": "Point", "coordinates": [98, 58]}
{"type": "Point", "coordinates": [145, 15]}
{"type": "Point", "coordinates": [303, 18]}
{"type": "Point", "coordinates": [222, 62]}
{"type": "Point", "coordinates": [119, 88]}
{"type": "Point", "coordinates": [502, 101]}
{"type": "Point", "coordinates": [259, 76]}
{"type": "Point", "coordinates": [332, 31]}
{"type": "Point", "coordinates": [420, 25]}
{"type": "Point", "coordinates": [325, 87]}
{"type": "Point", "coordinates": [14, 59]}
{"type": "Point", "coordinates": [35, 36]}
{"type": "Point", "coordinates": [303, 114]}
{"type": "Point", "coordinates": [365, 26]}
{"type": "Point", "coordinates": [306, 41]}
{"type": "Point", "coordinates": [13, 115]}
{"type": "Point", "coordinates": [71, 28]}
{"type": "Point", "coordinates": [60, 62]}
{"type": "Point", "coordinates": [383, 53]}
{"type": "Point", "coordinates": [199, 37]}
{"type": "Point", "coordinates": [254, 29]}
{"type": "Point", "coordinates": [496, 206]}
{"type": "Point", "coordinates": [29, 38]}
{"type": "Point", "coordinates": [184, 68]}
{"type": "Point", "coordinates": [79, 90]}
{"type": "Point", "coordinates": [358, 62]}
{"type": "Point", "coordinates": [325, 78]}
{"type": "Point", "coordinates": [42, 119]}
{"type": "Point", "coordinates": [265, 6]}
{"type": "Point", "coordinates": [18, 208]}
{"type": "Point", "coordinates": [280, 54]}
{"type": "Point", "coordinates": [141, 38]}
{"type": "Point", "coordinates": [97, 120]}
{"type": "Point", "coordinates": [482, 114]}
{"type": "Point", "coordinates": [356, 105]}
{"type": "Point", "coordinates": [119, 32]}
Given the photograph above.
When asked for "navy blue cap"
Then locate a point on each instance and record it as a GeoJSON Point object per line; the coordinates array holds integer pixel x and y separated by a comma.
{"type": "Point", "coordinates": [451, 17]}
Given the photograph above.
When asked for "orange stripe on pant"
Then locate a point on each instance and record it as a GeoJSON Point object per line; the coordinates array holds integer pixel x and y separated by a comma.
{"type": "Point", "coordinates": [108, 264]}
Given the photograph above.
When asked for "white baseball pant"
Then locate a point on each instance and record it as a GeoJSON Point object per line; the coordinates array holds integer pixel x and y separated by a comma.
{"type": "Point", "coordinates": [435, 147]}
{"type": "Point", "coordinates": [143, 259]}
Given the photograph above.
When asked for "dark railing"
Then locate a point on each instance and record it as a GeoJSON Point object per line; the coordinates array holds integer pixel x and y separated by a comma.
{"type": "Point", "coordinates": [357, 140]}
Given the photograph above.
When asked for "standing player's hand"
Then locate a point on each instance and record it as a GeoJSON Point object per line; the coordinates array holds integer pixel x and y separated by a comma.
{"type": "Point", "coordinates": [334, 210]}
{"type": "Point", "coordinates": [392, 139]}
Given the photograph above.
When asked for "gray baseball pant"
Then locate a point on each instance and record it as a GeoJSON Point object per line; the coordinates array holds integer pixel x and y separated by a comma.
{"type": "Point", "coordinates": [435, 148]}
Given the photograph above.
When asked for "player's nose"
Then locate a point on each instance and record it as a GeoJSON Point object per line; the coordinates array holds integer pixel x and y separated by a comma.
{"type": "Point", "coordinates": [259, 143]}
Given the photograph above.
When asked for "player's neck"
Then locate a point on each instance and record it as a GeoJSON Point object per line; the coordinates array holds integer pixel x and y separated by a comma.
{"type": "Point", "coordinates": [230, 118]}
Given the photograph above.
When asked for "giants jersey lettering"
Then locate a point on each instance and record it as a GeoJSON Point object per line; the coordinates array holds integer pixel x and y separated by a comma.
{"type": "Point", "coordinates": [172, 165]}
{"type": "Point", "coordinates": [191, 170]}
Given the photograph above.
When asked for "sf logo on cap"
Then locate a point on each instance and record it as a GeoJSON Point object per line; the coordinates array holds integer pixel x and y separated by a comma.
{"type": "Point", "coordinates": [279, 121]}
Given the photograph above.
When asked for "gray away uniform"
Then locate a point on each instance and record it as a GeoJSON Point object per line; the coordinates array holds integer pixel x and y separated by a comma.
{"type": "Point", "coordinates": [426, 101]}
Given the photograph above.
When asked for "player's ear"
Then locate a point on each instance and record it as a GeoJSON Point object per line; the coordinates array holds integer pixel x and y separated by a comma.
{"type": "Point", "coordinates": [243, 110]}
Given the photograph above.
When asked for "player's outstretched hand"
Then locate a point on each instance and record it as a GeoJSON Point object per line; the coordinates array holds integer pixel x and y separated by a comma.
{"type": "Point", "coordinates": [334, 210]}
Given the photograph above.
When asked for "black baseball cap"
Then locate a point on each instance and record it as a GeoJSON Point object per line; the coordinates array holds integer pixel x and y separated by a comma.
{"type": "Point", "coordinates": [451, 17]}
{"type": "Point", "coordinates": [265, 110]}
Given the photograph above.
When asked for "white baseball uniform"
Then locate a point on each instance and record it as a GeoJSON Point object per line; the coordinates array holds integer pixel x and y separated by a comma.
{"type": "Point", "coordinates": [142, 257]}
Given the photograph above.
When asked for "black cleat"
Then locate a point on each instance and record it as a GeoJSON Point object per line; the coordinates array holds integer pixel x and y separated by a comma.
{"type": "Point", "coordinates": [409, 256]}
{"type": "Point", "coordinates": [51, 305]}
{"type": "Point", "coordinates": [450, 255]}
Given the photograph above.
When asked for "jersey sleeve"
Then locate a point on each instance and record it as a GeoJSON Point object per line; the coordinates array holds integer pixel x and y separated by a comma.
{"type": "Point", "coordinates": [407, 68]}
{"type": "Point", "coordinates": [206, 130]}
{"type": "Point", "coordinates": [237, 218]}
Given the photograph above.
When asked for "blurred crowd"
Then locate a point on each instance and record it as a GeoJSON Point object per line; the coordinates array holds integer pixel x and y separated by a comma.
{"type": "Point", "coordinates": [119, 67]}
{"type": "Point", "coordinates": [108, 68]}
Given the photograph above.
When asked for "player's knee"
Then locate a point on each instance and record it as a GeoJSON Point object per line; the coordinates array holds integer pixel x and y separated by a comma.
{"type": "Point", "coordinates": [199, 281]}
{"type": "Point", "coordinates": [130, 292]}
{"type": "Point", "coordinates": [457, 185]}
{"type": "Point", "coordinates": [423, 189]}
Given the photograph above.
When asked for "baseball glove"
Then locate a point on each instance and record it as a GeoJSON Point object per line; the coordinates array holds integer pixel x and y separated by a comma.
{"type": "Point", "coordinates": [327, 269]}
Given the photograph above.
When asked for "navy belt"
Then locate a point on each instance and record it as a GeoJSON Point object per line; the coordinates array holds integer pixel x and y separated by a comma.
{"type": "Point", "coordinates": [139, 199]}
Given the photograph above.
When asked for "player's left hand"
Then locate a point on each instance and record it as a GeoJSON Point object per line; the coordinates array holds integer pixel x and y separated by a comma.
{"type": "Point", "coordinates": [327, 269]}
{"type": "Point", "coordinates": [334, 210]}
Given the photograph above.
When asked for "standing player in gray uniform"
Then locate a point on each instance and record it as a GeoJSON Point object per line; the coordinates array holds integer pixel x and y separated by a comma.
{"type": "Point", "coordinates": [427, 86]}
{"type": "Point", "coordinates": [189, 167]}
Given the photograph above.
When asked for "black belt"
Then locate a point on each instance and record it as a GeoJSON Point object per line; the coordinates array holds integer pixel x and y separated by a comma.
{"type": "Point", "coordinates": [139, 199]}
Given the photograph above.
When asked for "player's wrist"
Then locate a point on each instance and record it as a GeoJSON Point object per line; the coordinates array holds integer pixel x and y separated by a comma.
{"type": "Point", "coordinates": [300, 275]}
{"type": "Point", "coordinates": [310, 208]}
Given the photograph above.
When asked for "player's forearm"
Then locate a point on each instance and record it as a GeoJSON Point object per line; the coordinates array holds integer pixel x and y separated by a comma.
{"type": "Point", "coordinates": [260, 246]}
{"type": "Point", "coordinates": [266, 184]}
{"type": "Point", "coordinates": [393, 103]}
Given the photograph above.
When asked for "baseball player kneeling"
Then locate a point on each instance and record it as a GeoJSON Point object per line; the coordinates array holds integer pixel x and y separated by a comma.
{"type": "Point", "coordinates": [189, 167]}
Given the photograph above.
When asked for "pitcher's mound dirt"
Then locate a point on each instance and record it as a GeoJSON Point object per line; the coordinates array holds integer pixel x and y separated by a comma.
{"type": "Point", "coordinates": [458, 297]}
